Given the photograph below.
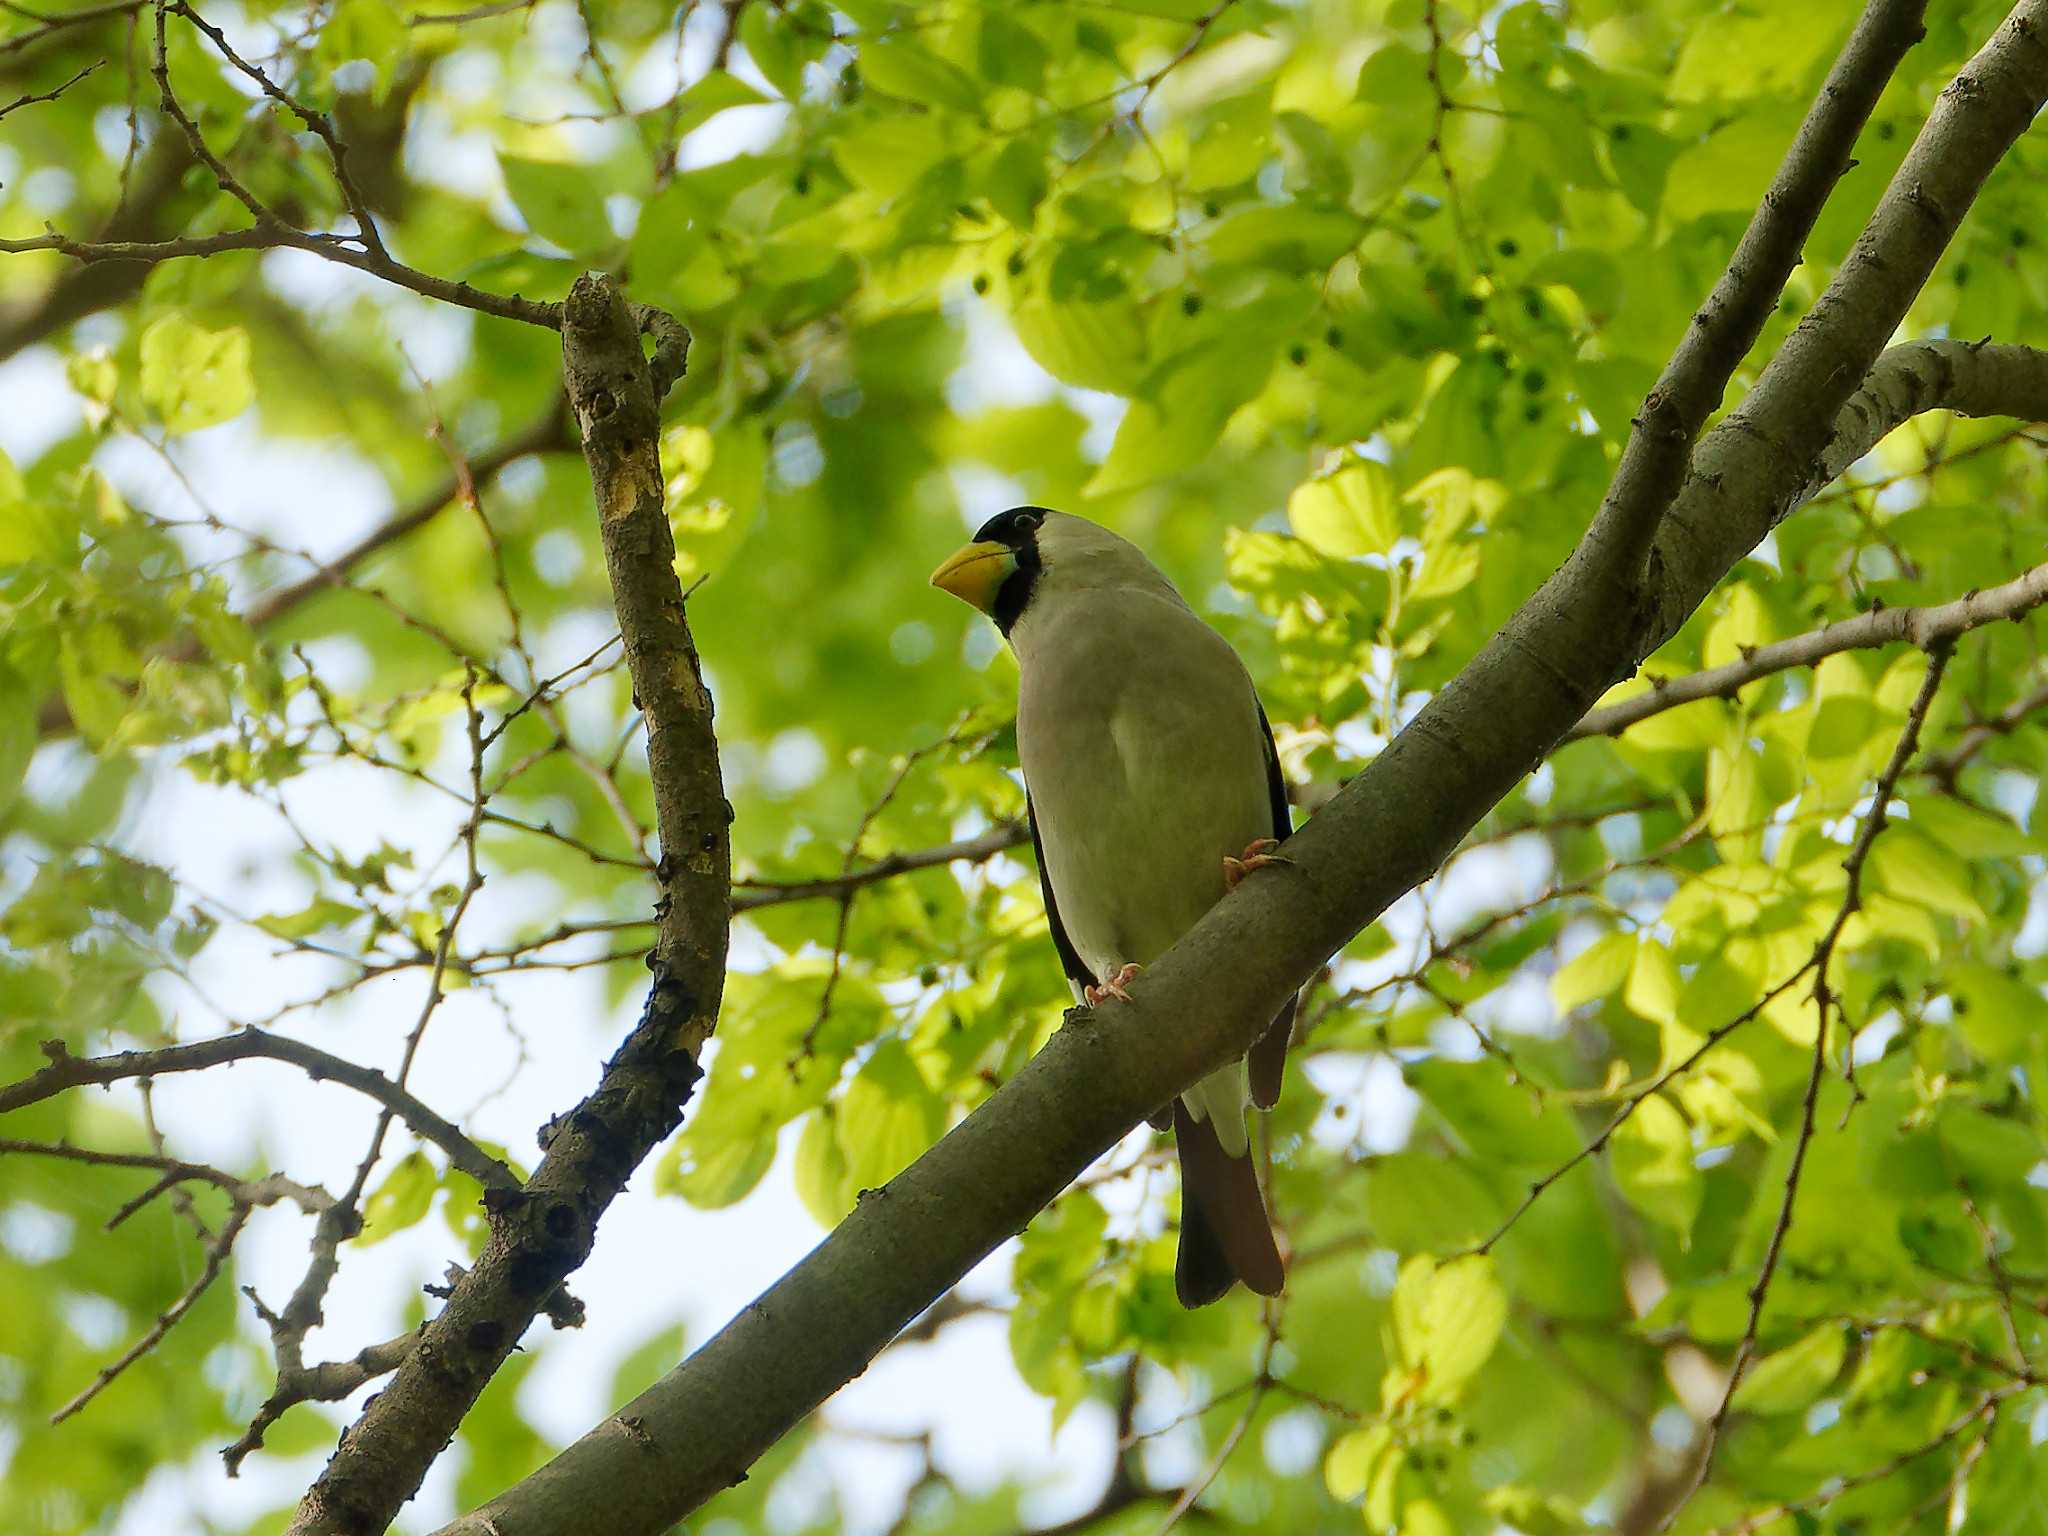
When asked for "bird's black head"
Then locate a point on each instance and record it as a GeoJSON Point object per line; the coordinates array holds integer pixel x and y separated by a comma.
{"type": "Point", "coordinates": [1017, 530]}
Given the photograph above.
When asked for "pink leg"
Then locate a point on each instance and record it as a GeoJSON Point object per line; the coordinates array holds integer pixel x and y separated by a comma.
{"type": "Point", "coordinates": [1257, 855]}
{"type": "Point", "coordinates": [1112, 986]}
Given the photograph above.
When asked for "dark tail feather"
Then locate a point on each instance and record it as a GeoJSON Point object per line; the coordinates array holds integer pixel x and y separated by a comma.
{"type": "Point", "coordinates": [1268, 1059]}
{"type": "Point", "coordinates": [1224, 1234]}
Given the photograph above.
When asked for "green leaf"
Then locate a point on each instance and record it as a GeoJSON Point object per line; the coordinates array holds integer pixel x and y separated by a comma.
{"type": "Point", "coordinates": [1970, 831]}
{"type": "Point", "coordinates": [400, 1200]}
{"type": "Point", "coordinates": [1499, 1121]}
{"type": "Point", "coordinates": [1987, 1148]}
{"type": "Point", "coordinates": [1093, 345]}
{"type": "Point", "coordinates": [1174, 426]}
{"type": "Point", "coordinates": [308, 920]}
{"type": "Point", "coordinates": [1917, 870]}
{"type": "Point", "coordinates": [1349, 512]}
{"type": "Point", "coordinates": [1997, 1013]}
{"type": "Point", "coordinates": [193, 377]}
{"type": "Point", "coordinates": [1792, 1378]}
{"type": "Point", "coordinates": [1353, 1461]}
{"type": "Point", "coordinates": [713, 1172]}
{"type": "Point", "coordinates": [1597, 971]}
{"type": "Point", "coordinates": [1653, 1167]}
{"type": "Point", "coordinates": [890, 1117]}
{"type": "Point", "coordinates": [95, 701]}
{"type": "Point", "coordinates": [900, 68]}
{"type": "Point", "coordinates": [560, 202]}
{"type": "Point", "coordinates": [820, 1171]}
{"type": "Point", "coordinates": [714, 92]}
{"type": "Point", "coordinates": [1017, 183]}
{"type": "Point", "coordinates": [1446, 1321]}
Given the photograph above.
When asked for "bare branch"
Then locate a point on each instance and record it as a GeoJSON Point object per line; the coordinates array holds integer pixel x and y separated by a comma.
{"type": "Point", "coordinates": [51, 95]}
{"type": "Point", "coordinates": [1927, 628]}
{"type": "Point", "coordinates": [244, 1197]}
{"type": "Point", "coordinates": [68, 1071]}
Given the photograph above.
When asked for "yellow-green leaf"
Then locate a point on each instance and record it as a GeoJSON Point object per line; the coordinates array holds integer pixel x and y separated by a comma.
{"type": "Point", "coordinates": [1447, 1320]}
{"type": "Point", "coordinates": [193, 377]}
{"type": "Point", "coordinates": [1352, 511]}
{"type": "Point", "coordinates": [1792, 1378]}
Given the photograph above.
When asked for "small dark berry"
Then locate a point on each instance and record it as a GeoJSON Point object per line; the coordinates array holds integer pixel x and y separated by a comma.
{"type": "Point", "coordinates": [803, 184]}
{"type": "Point", "coordinates": [1211, 208]}
{"type": "Point", "coordinates": [1534, 381]}
{"type": "Point", "coordinates": [1532, 412]}
{"type": "Point", "coordinates": [1334, 337]}
{"type": "Point", "coordinates": [981, 282]}
{"type": "Point", "coordinates": [1191, 304]}
{"type": "Point", "coordinates": [1508, 248]}
{"type": "Point", "coordinates": [2018, 238]}
{"type": "Point", "coordinates": [1621, 134]}
{"type": "Point", "coordinates": [1297, 354]}
{"type": "Point", "coordinates": [1472, 304]}
{"type": "Point", "coordinates": [1532, 305]}
{"type": "Point", "coordinates": [1016, 265]}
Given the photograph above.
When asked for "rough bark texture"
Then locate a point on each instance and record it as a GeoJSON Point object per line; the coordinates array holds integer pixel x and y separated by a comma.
{"type": "Point", "coordinates": [1199, 1005]}
{"type": "Point", "coordinates": [540, 1234]}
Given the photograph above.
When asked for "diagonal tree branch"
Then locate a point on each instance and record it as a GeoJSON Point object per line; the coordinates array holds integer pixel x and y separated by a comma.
{"type": "Point", "coordinates": [1199, 1005]}
{"type": "Point", "coordinates": [542, 1233]}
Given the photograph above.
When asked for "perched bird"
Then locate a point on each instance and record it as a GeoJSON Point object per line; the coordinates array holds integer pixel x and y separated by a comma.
{"type": "Point", "coordinates": [1153, 787]}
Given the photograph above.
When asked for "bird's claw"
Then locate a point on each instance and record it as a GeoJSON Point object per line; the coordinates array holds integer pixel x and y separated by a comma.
{"type": "Point", "coordinates": [1257, 855]}
{"type": "Point", "coordinates": [1111, 985]}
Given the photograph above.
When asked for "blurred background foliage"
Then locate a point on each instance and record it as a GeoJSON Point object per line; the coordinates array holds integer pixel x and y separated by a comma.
{"type": "Point", "coordinates": [1341, 309]}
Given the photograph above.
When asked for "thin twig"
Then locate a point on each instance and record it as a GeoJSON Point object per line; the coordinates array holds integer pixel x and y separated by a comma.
{"type": "Point", "coordinates": [1825, 1007]}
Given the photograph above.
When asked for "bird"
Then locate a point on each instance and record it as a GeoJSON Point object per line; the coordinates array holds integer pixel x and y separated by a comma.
{"type": "Point", "coordinates": [1152, 785]}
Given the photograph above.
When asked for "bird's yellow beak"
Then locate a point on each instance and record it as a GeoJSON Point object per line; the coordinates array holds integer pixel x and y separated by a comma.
{"type": "Point", "coordinates": [975, 572]}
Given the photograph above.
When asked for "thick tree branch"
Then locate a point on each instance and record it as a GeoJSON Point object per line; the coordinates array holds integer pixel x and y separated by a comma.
{"type": "Point", "coordinates": [68, 1071]}
{"type": "Point", "coordinates": [1971, 378]}
{"type": "Point", "coordinates": [1200, 1004]}
{"type": "Point", "coordinates": [542, 1233]}
{"type": "Point", "coordinates": [1928, 627]}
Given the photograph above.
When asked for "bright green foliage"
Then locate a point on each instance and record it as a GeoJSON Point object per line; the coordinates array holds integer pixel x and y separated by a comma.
{"type": "Point", "coordinates": [1342, 310]}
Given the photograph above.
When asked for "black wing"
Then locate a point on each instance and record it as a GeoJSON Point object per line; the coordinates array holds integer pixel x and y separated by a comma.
{"type": "Point", "coordinates": [1268, 1057]}
{"type": "Point", "coordinates": [1070, 960]}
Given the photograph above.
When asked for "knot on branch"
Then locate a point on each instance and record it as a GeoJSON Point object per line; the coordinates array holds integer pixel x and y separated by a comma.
{"type": "Point", "coordinates": [601, 353]}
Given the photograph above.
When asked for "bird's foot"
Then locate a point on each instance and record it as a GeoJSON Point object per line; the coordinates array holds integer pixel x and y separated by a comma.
{"type": "Point", "coordinates": [1112, 985]}
{"type": "Point", "coordinates": [1257, 855]}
